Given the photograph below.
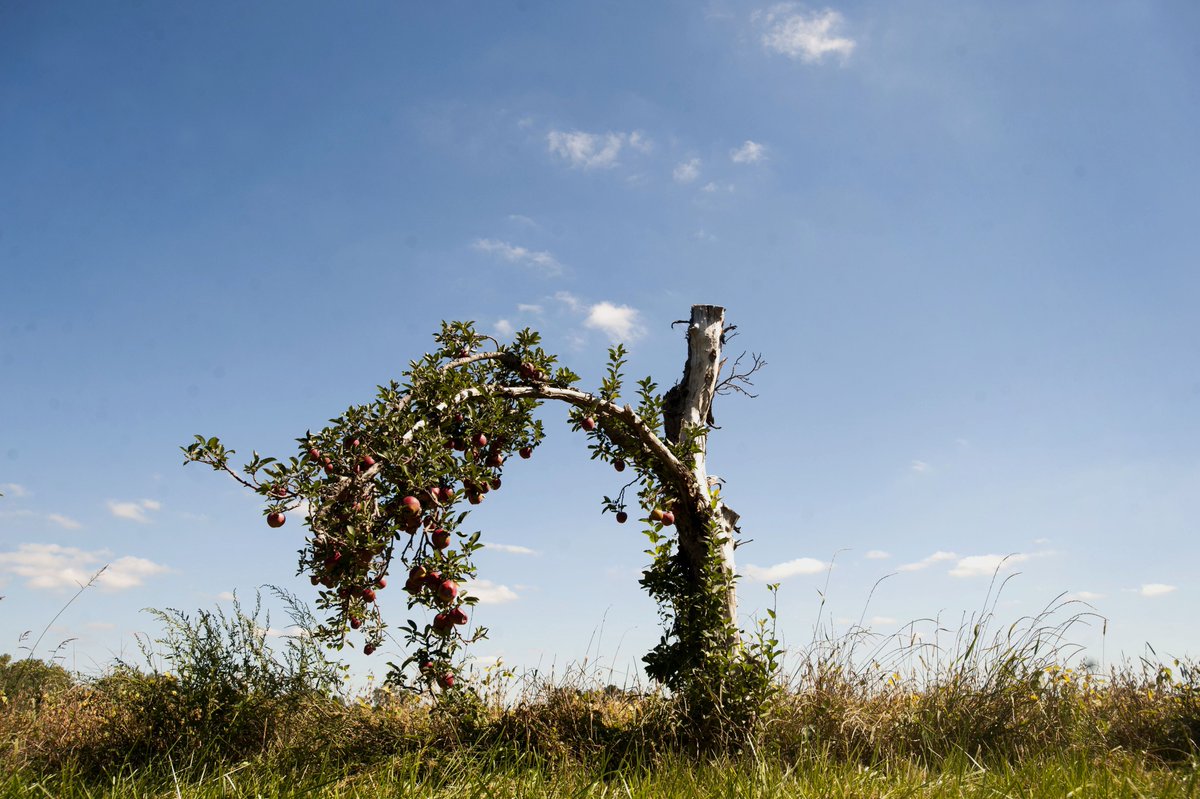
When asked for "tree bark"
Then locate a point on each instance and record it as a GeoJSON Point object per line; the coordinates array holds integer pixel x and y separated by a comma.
{"type": "Point", "coordinates": [687, 412]}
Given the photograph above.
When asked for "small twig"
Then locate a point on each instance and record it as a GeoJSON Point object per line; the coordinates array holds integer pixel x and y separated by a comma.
{"type": "Point", "coordinates": [735, 381]}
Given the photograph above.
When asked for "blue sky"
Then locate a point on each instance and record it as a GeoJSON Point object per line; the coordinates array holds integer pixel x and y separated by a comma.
{"type": "Point", "coordinates": [964, 236]}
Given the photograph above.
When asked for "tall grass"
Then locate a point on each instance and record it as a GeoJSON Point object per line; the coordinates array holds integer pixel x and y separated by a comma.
{"type": "Point", "coordinates": [218, 706]}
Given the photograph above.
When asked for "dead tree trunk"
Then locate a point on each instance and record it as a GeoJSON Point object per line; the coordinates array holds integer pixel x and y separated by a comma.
{"type": "Point", "coordinates": [704, 524]}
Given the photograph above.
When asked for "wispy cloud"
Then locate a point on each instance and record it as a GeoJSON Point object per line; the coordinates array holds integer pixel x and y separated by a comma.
{"type": "Point", "coordinates": [525, 308]}
{"type": "Point", "coordinates": [919, 466]}
{"type": "Point", "coordinates": [1156, 589]}
{"type": "Point", "coordinates": [584, 150]}
{"type": "Point", "coordinates": [521, 219]}
{"type": "Point", "coordinates": [924, 563]}
{"type": "Point", "coordinates": [807, 36]}
{"type": "Point", "coordinates": [13, 490]}
{"type": "Point", "coordinates": [687, 171]}
{"type": "Point", "coordinates": [540, 260]}
{"type": "Point", "coordinates": [503, 328]}
{"type": "Point", "coordinates": [877, 554]}
{"type": "Point", "coordinates": [618, 322]}
{"type": "Point", "coordinates": [65, 522]}
{"type": "Point", "coordinates": [134, 511]}
{"type": "Point", "coordinates": [490, 593]}
{"type": "Point", "coordinates": [782, 571]}
{"type": "Point", "coordinates": [751, 152]}
{"type": "Point", "coordinates": [568, 299]}
{"type": "Point", "coordinates": [49, 566]}
{"type": "Point", "coordinates": [513, 549]}
{"type": "Point", "coordinates": [986, 565]}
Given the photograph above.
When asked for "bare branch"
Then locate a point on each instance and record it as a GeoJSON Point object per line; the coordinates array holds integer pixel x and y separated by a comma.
{"type": "Point", "coordinates": [736, 380]}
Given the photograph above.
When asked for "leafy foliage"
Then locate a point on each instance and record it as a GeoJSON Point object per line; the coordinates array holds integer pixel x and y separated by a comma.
{"type": "Point", "coordinates": [383, 483]}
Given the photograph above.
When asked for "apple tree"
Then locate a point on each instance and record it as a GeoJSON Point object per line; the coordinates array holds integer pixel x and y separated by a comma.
{"type": "Point", "coordinates": [382, 489]}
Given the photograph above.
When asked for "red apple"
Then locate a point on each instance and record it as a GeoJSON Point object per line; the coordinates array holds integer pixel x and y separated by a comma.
{"type": "Point", "coordinates": [668, 519]}
{"type": "Point", "coordinates": [474, 499]}
{"type": "Point", "coordinates": [281, 491]}
{"type": "Point", "coordinates": [494, 460]}
{"type": "Point", "coordinates": [355, 622]}
{"type": "Point", "coordinates": [329, 468]}
{"type": "Point", "coordinates": [433, 580]}
{"type": "Point", "coordinates": [314, 579]}
{"type": "Point", "coordinates": [276, 519]}
{"type": "Point", "coordinates": [414, 585]}
{"type": "Point", "coordinates": [480, 440]}
{"type": "Point", "coordinates": [458, 616]}
{"type": "Point", "coordinates": [495, 484]}
{"type": "Point", "coordinates": [619, 465]}
{"type": "Point", "coordinates": [368, 594]}
{"type": "Point", "coordinates": [369, 649]}
{"type": "Point", "coordinates": [447, 591]}
{"type": "Point", "coordinates": [367, 461]}
{"type": "Point", "coordinates": [440, 539]}
{"type": "Point", "coordinates": [442, 624]}
{"type": "Point", "coordinates": [446, 681]}
{"type": "Point", "coordinates": [417, 572]}
{"type": "Point", "coordinates": [350, 441]}
{"type": "Point", "coordinates": [381, 582]}
{"type": "Point", "coordinates": [588, 424]}
{"type": "Point", "coordinates": [622, 517]}
{"type": "Point", "coordinates": [411, 505]}
{"type": "Point", "coordinates": [526, 452]}
{"type": "Point", "coordinates": [315, 454]}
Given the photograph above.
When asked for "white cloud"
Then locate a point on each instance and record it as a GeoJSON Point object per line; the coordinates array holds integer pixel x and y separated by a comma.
{"type": "Point", "coordinates": [66, 522]}
{"type": "Point", "coordinates": [781, 571]}
{"type": "Point", "coordinates": [807, 36]}
{"type": "Point", "coordinates": [294, 631]}
{"type": "Point", "coordinates": [926, 562]}
{"type": "Point", "coordinates": [639, 142]}
{"type": "Point", "coordinates": [490, 593]}
{"type": "Point", "coordinates": [523, 220]}
{"type": "Point", "coordinates": [919, 466]}
{"type": "Point", "coordinates": [618, 322]}
{"type": "Point", "coordinates": [13, 490]}
{"type": "Point", "coordinates": [540, 260]}
{"type": "Point", "coordinates": [533, 309]}
{"type": "Point", "coordinates": [134, 511]}
{"type": "Point", "coordinates": [687, 171]}
{"type": "Point", "coordinates": [53, 566]}
{"type": "Point", "coordinates": [504, 328]}
{"type": "Point", "coordinates": [1155, 589]}
{"type": "Point", "coordinates": [592, 150]}
{"type": "Point", "coordinates": [877, 554]}
{"type": "Point", "coordinates": [512, 549]}
{"type": "Point", "coordinates": [749, 153]}
{"type": "Point", "coordinates": [986, 565]}
{"type": "Point", "coordinates": [568, 299]}
{"type": "Point", "coordinates": [226, 596]}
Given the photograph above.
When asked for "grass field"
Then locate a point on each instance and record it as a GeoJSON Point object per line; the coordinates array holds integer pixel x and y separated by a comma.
{"type": "Point", "coordinates": [215, 711]}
